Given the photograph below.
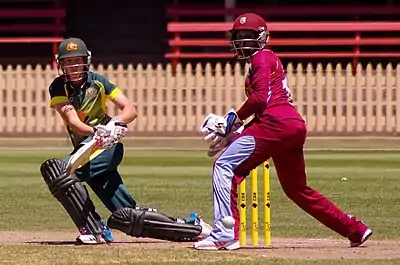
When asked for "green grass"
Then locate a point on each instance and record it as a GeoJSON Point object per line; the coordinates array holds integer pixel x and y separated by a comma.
{"type": "Point", "coordinates": [113, 255]}
{"type": "Point", "coordinates": [193, 141]}
{"type": "Point", "coordinates": [179, 182]}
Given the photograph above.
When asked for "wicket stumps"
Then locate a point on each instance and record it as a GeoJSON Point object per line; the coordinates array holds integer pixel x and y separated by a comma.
{"type": "Point", "coordinates": [254, 208]}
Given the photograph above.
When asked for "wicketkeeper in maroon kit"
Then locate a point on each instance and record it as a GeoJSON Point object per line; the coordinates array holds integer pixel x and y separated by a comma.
{"type": "Point", "coordinates": [277, 131]}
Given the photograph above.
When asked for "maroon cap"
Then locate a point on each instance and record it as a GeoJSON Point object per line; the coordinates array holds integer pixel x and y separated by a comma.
{"type": "Point", "coordinates": [249, 21]}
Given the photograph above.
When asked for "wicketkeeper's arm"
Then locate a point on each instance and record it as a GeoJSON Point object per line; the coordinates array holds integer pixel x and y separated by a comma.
{"type": "Point", "coordinates": [258, 95]}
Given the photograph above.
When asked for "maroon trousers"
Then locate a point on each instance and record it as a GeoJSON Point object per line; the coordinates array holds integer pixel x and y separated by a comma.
{"type": "Point", "coordinates": [283, 141]}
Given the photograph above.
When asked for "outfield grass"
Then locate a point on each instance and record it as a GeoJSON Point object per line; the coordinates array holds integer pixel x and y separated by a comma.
{"type": "Point", "coordinates": [179, 182]}
{"type": "Point", "coordinates": [100, 255]}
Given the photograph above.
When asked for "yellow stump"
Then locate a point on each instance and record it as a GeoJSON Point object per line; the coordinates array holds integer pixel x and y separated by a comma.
{"type": "Point", "coordinates": [242, 213]}
{"type": "Point", "coordinates": [267, 205]}
{"type": "Point", "coordinates": [254, 208]}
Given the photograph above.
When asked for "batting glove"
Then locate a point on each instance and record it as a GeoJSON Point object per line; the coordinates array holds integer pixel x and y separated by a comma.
{"type": "Point", "coordinates": [103, 137]}
{"type": "Point", "coordinates": [108, 135]}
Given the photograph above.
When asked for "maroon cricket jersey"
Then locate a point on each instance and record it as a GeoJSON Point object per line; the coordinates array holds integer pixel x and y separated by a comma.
{"type": "Point", "coordinates": [269, 94]}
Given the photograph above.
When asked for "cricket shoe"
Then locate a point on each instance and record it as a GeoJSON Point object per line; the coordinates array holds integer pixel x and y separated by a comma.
{"type": "Point", "coordinates": [107, 235]}
{"type": "Point", "coordinates": [196, 219]}
{"type": "Point", "coordinates": [87, 238]}
{"type": "Point", "coordinates": [212, 243]}
{"type": "Point", "coordinates": [363, 234]}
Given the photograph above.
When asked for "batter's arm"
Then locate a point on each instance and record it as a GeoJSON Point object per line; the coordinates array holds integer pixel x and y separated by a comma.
{"type": "Point", "coordinates": [60, 102]}
{"type": "Point", "coordinates": [128, 111]}
{"type": "Point", "coordinates": [70, 116]}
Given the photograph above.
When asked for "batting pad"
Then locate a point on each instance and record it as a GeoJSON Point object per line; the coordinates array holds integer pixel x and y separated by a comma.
{"type": "Point", "coordinates": [73, 196]}
{"type": "Point", "coordinates": [139, 223]}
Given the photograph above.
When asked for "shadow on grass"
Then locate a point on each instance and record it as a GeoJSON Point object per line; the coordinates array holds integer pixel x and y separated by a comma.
{"type": "Point", "coordinates": [74, 243]}
{"type": "Point", "coordinates": [53, 243]}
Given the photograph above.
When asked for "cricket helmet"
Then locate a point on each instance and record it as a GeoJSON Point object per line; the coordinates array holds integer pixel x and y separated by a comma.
{"type": "Point", "coordinates": [69, 48]}
{"type": "Point", "coordinates": [249, 35]}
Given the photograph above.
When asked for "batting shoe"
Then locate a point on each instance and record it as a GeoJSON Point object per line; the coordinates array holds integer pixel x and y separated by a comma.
{"type": "Point", "coordinates": [86, 238]}
{"type": "Point", "coordinates": [213, 243]}
{"type": "Point", "coordinates": [107, 235]}
{"type": "Point", "coordinates": [196, 219]}
{"type": "Point", "coordinates": [363, 234]}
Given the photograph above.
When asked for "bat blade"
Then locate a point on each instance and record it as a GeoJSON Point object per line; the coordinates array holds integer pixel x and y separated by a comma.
{"type": "Point", "coordinates": [81, 155]}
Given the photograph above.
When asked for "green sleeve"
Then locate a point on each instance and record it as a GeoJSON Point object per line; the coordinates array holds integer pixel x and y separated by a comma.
{"type": "Point", "coordinates": [110, 89]}
{"type": "Point", "coordinates": [57, 92]}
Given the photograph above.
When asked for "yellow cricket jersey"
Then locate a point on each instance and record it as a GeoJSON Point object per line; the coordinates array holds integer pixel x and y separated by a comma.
{"type": "Point", "coordinates": [89, 101]}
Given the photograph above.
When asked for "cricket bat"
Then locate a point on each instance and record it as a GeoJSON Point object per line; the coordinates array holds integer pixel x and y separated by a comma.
{"type": "Point", "coordinates": [81, 155]}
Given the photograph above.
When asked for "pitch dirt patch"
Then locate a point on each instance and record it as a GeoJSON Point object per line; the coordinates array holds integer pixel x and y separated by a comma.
{"type": "Point", "coordinates": [328, 248]}
{"type": "Point", "coordinates": [282, 248]}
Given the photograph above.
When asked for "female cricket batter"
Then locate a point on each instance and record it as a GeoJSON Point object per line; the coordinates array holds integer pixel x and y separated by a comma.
{"type": "Point", "coordinates": [79, 96]}
{"type": "Point", "coordinates": [277, 131]}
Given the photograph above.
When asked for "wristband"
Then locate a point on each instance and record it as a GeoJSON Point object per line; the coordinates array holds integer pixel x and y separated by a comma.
{"type": "Point", "coordinates": [116, 119]}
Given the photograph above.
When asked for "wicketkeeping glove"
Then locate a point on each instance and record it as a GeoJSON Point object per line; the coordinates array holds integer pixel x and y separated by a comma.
{"type": "Point", "coordinates": [221, 125]}
{"type": "Point", "coordinates": [218, 130]}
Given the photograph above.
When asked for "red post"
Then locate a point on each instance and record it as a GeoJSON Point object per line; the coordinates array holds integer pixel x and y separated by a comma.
{"type": "Point", "coordinates": [356, 51]}
{"type": "Point", "coordinates": [55, 51]}
{"type": "Point", "coordinates": [176, 52]}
